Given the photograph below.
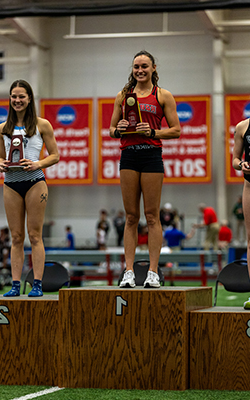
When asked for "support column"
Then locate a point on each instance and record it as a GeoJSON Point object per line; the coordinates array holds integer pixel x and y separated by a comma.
{"type": "Point", "coordinates": [218, 145]}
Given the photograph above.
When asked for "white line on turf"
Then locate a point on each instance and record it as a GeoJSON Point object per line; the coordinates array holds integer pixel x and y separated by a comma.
{"type": "Point", "coordinates": [38, 394]}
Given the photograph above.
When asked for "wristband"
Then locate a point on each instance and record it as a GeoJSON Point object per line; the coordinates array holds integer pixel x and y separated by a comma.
{"type": "Point", "coordinates": [152, 135]}
{"type": "Point", "coordinates": [117, 134]}
{"type": "Point", "coordinates": [240, 164]}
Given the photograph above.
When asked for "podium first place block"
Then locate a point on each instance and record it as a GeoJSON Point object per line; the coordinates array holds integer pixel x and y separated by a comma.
{"type": "Point", "coordinates": [29, 341]}
{"type": "Point", "coordinates": [127, 338]}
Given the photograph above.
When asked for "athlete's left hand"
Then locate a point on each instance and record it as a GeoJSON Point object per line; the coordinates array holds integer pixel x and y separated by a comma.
{"type": "Point", "coordinates": [143, 126]}
{"type": "Point", "coordinates": [28, 164]}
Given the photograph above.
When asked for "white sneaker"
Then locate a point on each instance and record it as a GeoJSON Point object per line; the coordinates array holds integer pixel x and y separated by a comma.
{"type": "Point", "coordinates": [247, 304]}
{"type": "Point", "coordinates": [152, 280]}
{"type": "Point", "coordinates": [128, 279]}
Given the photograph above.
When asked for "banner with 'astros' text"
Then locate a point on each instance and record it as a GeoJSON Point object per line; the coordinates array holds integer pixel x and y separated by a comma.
{"type": "Point", "coordinates": [237, 108]}
{"type": "Point", "coordinates": [186, 159]}
{"type": "Point", "coordinates": [72, 122]}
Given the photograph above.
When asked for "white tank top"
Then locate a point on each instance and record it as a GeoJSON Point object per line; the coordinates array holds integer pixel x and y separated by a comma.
{"type": "Point", "coordinates": [32, 149]}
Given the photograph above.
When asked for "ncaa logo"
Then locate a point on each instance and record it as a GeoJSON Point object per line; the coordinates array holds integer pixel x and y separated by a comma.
{"type": "Point", "coordinates": [184, 111]}
{"type": "Point", "coordinates": [246, 111]}
{"type": "Point", "coordinates": [66, 115]}
{"type": "Point", "coordinates": [3, 114]}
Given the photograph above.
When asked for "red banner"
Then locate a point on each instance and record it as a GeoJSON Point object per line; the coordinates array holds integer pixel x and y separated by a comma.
{"type": "Point", "coordinates": [186, 160]}
{"type": "Point", "coordinates": [72, 123]}
{"type": "Point", "coordinates": [4, 107]}
{"type": "Point", "coordinates": [237, 108]}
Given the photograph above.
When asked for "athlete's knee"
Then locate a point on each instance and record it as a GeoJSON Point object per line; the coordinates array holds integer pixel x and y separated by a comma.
{"type": "Point", "coordinates": [17, 238]}
{"type": "Point", "coordinates": [151, 218]}
{"type": "Point", "coordinates": [132, 219]}
{"type": "Point", "coordinates": [34, 237]}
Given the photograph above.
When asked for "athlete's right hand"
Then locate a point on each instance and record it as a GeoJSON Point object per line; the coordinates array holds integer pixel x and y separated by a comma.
{"type": "Point", "coordinates": [122, 125]}
{"type": "Point", "coordinates": [4, 165]}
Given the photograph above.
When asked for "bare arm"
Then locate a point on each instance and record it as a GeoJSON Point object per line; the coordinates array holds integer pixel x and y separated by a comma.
{"type": "Point", "coordinates": [238, 150]}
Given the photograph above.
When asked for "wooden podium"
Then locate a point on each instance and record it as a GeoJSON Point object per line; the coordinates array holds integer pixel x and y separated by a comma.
{"type": "Point", "coordinates": [220, 349]}
{"type": "Point", "coordinates": [29, 341]}
{"type": "Point", "coordinates": [127, 338]}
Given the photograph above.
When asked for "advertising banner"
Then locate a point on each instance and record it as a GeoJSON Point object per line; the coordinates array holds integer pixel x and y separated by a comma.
{"type": "Point", "coordinates": [237, 108]}
{"type": "Point", "coordinates": [72, 121]}
{"type": "Point", "coordinates": [4, 107]}
{"type": "Point", "coordinates": [186, 160]}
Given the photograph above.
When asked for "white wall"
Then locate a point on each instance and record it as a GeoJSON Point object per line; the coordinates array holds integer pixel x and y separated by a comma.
{"type": "Point", "coordinates": [99, 68]}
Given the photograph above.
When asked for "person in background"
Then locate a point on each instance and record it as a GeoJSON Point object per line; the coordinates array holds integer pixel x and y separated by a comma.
{"type": "Point", "coordinates": [210, 222]}
{"type": "Point", "coordinates": [241, 146]}
{"type": "Point", "coordinates": [101, 236]}
{"type": "Point", "coordinates": [105, 223]}
{"type": "Point", "coordinates": [225, 235]}
{"type": "Point", "coordinates": [239, 215]}
{"type": "Point", "coordinates": [25, 191]}
{"type": "Point", "coordinates": [141, 164]}
{"type": "Point", "coordinates": [119, 224]}
{"type": "Point", "coordinates": [70, 238]}
{"type": "Point", "coordinates": [166, 216]}
{"type": "Point", "coordinates": [142, 236]}
{"type": "Point", "coordinates": [174, 237]}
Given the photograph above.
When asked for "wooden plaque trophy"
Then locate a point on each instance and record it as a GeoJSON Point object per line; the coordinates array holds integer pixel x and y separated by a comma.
{"type": "Point", "coordinates": [16, 153]}
{"type": "Point", "coordinates": [132, 113]}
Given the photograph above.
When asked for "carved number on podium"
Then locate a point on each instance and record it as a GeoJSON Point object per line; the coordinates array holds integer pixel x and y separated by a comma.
{"type": "Point", "coordinates": [248, 329]}
{"type": "Point", "coordinates": [119, 303]}
{"type": "Point", "coordinates": [3, 320]}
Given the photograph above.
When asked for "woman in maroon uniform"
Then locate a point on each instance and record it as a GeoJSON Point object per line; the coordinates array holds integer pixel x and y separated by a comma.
{"type": "Point", "coordinates": [141, 164]}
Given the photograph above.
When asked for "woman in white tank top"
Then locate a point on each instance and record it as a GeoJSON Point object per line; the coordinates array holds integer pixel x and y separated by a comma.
{"type": "Point", "coordinates": [25, 190]}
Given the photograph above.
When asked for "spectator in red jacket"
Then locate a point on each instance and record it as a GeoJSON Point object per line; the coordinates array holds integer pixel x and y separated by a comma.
{"type": "Point", "coordinates": [210, 221]}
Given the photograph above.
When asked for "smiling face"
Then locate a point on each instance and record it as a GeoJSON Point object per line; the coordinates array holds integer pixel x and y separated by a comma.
{"type": "Point", "coordinates": [143, 69]}
{"type": "Point", "coordinates": [19, 99]}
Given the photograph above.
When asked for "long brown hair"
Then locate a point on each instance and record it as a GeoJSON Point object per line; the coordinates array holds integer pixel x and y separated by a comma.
{"type": "Point", "coordinates": [30, 117]}
{"type": "Point", "coordinates": [132, 81]}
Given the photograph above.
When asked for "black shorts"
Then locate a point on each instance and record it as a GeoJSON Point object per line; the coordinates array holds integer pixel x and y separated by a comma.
{"type": "Point", "coordinates": [22, 187]}
{"type": "Point", "coordinates": [142, 158]}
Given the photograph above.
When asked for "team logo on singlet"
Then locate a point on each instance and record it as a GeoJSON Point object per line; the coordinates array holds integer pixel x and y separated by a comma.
{"type": "Point", "coordinates": [148, 108]}
{"type": "Point", "coordinates": [66, 115]}
{"type": "Point", "coordinates": [185, 112]}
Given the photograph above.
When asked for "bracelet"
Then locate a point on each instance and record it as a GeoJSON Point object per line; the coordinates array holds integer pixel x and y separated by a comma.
{"type": "Point", "coordinates": [152, 135]}
{"type": "Point", "coordinates": [117, 134]}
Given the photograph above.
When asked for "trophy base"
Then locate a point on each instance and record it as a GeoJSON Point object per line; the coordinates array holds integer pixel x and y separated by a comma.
{"type": "Point", "coordinates": [15, 168]}
{"type": "Point", "coordinates": [128, 132]}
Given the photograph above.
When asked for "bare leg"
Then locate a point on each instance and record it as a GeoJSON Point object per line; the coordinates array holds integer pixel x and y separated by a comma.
{"type": "Point", "coordinates": [131, 191]}
{"type": "Point", "coordinates": [36, 200]}
{"type": "Point", "coordinates": [151, 184]}
{"type": "Point", "coordinates": [15, 212]}
{"type": "Point", "coordinates": [246, 209]}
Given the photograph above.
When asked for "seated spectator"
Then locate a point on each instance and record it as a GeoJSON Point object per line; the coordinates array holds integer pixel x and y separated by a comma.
{"type": "Point", "coordinates": [225, 235]}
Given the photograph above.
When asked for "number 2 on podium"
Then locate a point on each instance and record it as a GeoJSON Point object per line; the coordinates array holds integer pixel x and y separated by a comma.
{"type": "Point", "coordinates": [119, 303]}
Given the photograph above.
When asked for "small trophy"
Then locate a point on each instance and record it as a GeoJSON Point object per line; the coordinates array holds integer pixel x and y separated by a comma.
{"type": "Point", "coordinates": [16, 153]}
{"type": "Point", "coordinates": [132, 113]}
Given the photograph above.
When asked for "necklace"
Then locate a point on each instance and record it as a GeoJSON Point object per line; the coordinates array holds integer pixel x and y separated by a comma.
{"type": "Point", "coordinates": [145, 91]}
